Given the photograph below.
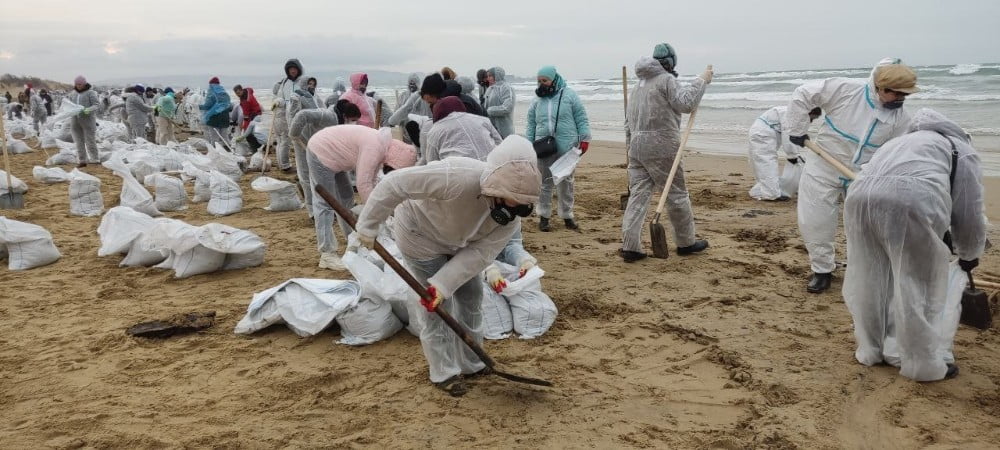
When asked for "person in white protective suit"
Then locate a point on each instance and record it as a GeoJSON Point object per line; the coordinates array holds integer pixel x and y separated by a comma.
{"type": "Point", "coordinates": [303, 126]}
{"type": "Point", "coordinates": [137, 112]}
{"type": "Point", "coordinates": [896, 214]}
{"type": "Point", "coordinates": [458, 133]}
{"type": "Point", "coordinates": [654, 116]}
{"type": "Point", "coordinates": [283, 92]}
{"type": "Point", "coordinates": [766, 139]}
{"type": "Point", "coordinates": [412, 105]}
{"type": "Point", "coordinates": [499, 101]}
{"type": "Point", "coordinates": [860, 117]}
{"type": "Point", "coordinates": [452, 218]}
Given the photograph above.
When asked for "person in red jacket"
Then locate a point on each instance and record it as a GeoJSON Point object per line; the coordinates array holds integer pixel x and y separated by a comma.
{"type": "Point", "coordinates": [249, 104]}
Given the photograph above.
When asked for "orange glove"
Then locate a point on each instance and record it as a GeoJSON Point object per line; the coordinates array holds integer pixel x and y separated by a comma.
{"type": "Point", "coordinates": [584, 146]}
{"type": "Point", "coordinates": [495, 279]}
{"type": "Point", "coordinates": [433, 299]}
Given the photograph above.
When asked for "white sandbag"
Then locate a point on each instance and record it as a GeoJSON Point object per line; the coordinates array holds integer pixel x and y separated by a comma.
{"type": "Point", "coordinates": [85, 198]}
{"type": "Point", "coordinates": [789, 179]}
{"type": "Point", "coordinates": [133, 195]}
{"type": "Point", "coordinates": [284, 195]}
{"type": "Point", "coordinates": [17, 147]}
{"type": "Point", "coordinates": [48, 140]}
{"type": "Point", "coordinates": [108, 131]}
{"type": "Point", "coordinates": [227, 198]}
{"type": "Point", "coordinates": [226, 163]}
{"type": "Point", "coordinates": [170, 192]}
{"type": "Point", "coordinates": [67, 110]}
{"type": "Point", "coordinates": [49, 175]}
{"type": "Point", "coordinates": [257, 162]}
{"type": "Point", "coordinates": [139, 254]}
{"type": "Point", "coordinates": [186, 257]}
{"type": "Point", "coordinates": [63, 158]}
{"type": "Point", "coordinates": [123, 231]}
{"type": "Point", "coordinates": [242, 248]}
{"type": "Point", "coordinates": [26, 245]}
{"type": "Point", "coordinates": [19, 187]}
{"type": "Point", "coordinates": [145, 167]}
{"type": "Point", "coordinates": [370, 321]}
{"type": "Point", "coordinates": [565, 165]}
{"type": "Point", "coordinates": [202, 182]}
{"type": "Point", "coordinates": [196, 261]}
{"type": "Point", "coordinates": [497, 319]}
{"type": "Point", "coordinates": [533, 312]}
{"type": "Point", "coordinates": [307, 306]}
{"type": "Point", "coordinates": [198, 143]}
{"type": "Point", "coordinates": [62, 132]}
{"type": "Point", "coordinates": [20, 129]}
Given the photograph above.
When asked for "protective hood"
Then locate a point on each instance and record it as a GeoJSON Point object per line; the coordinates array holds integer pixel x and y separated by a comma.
{"type": "Point", "coordinates": [413, 82]}
{"type": "Point", "coordinates": [296, 64]}
{"type": "Point", "coordinates": [498, 74]}
{"type": "Point", "coordinates": [86, 88]}
{"type": "Point", "coordinates": [339, 86]}
{"type": "Point", "coordinates": [930, 120]}
{"type": "Point", "coordinates": [400, 155]}
{"type": "Point", "coordinates": [357, 79]}
{"type": "Point", "coordinates": [467, 83]}
{"type": "Point", "coordinates": [647, 68]}
{"type": "Point", "coordinates": [512, 172]}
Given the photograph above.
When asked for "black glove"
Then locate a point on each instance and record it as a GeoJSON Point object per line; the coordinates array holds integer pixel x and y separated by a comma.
{"type": "Point", "coordinates": [794, 160]}
{"type": "Point", "coordinates": [968, 265]}
{"type": "Point", "coordinates": [799, 140]}
{"type": "Point", "coordinates": [232, 124]}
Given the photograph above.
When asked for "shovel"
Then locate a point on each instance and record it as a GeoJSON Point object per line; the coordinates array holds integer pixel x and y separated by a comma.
{"type": "Point", "coordinates": [657, 234]}
{"type": "Point", "coordinates": [975, 307]}
{"type": "Point", "coordinates": [378, 114]}
{"type": "Point", "coordinates": [13, 201]}
{"type": "Point", "coordinates": [628, 139]}
{"type": "Point", "coordinates": [848, 173]}
{"type": "Point", "coordinates": [460, 330]}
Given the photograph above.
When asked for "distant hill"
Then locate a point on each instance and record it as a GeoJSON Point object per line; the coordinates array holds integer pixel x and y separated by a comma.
{"type": "Point", "coordinates": [9, 81]}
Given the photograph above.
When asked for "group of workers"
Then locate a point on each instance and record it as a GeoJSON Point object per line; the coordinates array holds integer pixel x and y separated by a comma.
{"type": "Point", "coordinates": [460, 180]}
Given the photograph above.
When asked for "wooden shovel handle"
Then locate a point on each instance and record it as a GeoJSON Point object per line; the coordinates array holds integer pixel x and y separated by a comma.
{"type": "Point", "coordinates": [6, 158]}
{"type": "Point", "coordinates": [848, 173]}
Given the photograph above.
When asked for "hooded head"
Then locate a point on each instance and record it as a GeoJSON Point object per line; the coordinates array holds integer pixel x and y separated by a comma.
{"type": "Point", "coordinates": [468, 85]}
{"type": "Point", "coordinates": [498, 74]}
{"type": "Point", "coordinates": [433, 85]}
{"type": "Point", "coordinates": [549, 82]}
{"type": "Point", "coordinates": [931, 120]}
{"type": "Point", "coordinates": [214, 80]}
{"type": "Point", "coordinates": [139, 89]}
{"type": "Point", "coordinates": [339, 85]}
{"type": "Point", "coordinates": [413, 82]}
{"type": "Point", "coordinates": [446, 106]}
{"type": "Point", "coordinates": [481, 77]}
{"type": "Point", "coordinates": [80, 80]}
{"type": "Point", "coordinates": [359, 79]}
{"type": "Point", "coordinates": [168, 90]}
{"type": "Point", "coordinates": [647, 68]}
{"type": "Point", "coordinates": [400, 155]}
{"type": "Point", "coordinates": [512, 172]}
{"type": "Point", "coordinates": [665, 54]}
{"type": "Point", "coordinates": [289, 65]}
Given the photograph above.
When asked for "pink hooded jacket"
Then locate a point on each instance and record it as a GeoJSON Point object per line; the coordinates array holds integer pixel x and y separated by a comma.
{"type": "Point", "coordinates": [360, 100]}
{"type": "Point", "coordinates": [363, 149]}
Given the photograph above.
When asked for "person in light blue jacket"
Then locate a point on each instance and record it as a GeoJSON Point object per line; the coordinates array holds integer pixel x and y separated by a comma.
{"type": "Point", "coordinates": [216, 113]}
{"type": "Point", "coordinates": [556, 111]}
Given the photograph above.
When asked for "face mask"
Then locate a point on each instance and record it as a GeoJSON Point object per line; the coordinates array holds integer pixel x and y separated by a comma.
{"type": "Point", "coordinates": [545, 91]}
{"type": "Point", "coordinates": [413, 87]}
{"type": "Point", "coordinates": [311, 89]}
{"type": "Point", "coordinates": [893, 104]}
{"type": "Point", "coordinates": [503, 214]}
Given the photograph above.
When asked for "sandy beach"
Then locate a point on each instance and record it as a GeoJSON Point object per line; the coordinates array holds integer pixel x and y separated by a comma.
{"type": "Point", "coordinates": [724, 350]}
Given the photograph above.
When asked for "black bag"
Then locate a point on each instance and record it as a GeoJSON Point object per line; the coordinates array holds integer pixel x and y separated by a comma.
{"type": "Point", "coordinates": [220, 120]}
{"type": "Point", "coordinates": [546, 146]}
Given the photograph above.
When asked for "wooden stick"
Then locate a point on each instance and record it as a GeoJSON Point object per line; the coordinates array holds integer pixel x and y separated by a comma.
{"type": "Point", "coordinates": [987, 284]}
{"type": "Point", "coordinates": [830, 160]}
{"type": "Point", "coordinates": [6, 161]}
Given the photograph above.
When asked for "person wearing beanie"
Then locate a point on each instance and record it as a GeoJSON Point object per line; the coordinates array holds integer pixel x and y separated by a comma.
{"type": "Point", "coordinates": [500, 100]}
{"type": "Point", "coordinates": [283, 91]}
{"type": "Point", "coordinates": [412, 105]}
{"type": "Point", "coordinates": [335, 151]}
{"type": "Point", "coordinates": [458, 133]}
{"type": "Point", "coordinates": [432, 88]}
{"type": "Point", "coordinates": [83, 126]}
{"type": "Point", "coordinates": [860, 117]}
{"type": "Point", "coordinates": [452, 218]}
{"type": "Point", "coordinates": [137, 112]}
{"type": "Point", "coordinates": [556, 111]}
{"type": "Point", "coordinates": [215, 118]}
{"type": "Point", "coordinates": [166, 111]}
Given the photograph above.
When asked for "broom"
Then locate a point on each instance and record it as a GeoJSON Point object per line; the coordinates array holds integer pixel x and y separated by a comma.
{"type": "Point", "coordinates": [657, 234]}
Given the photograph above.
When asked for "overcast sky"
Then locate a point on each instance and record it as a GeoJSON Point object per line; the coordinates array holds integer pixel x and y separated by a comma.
{"type": "Point", "coordinates": [106, 39]}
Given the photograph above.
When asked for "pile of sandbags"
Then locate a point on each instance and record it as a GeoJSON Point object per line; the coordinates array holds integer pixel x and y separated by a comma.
{"type": "Point", "coordinates": [26, 246]}
{"type": "Point", "coordinates": [123, 231]}
{"type": "Point", "coordinates": [306, 306]}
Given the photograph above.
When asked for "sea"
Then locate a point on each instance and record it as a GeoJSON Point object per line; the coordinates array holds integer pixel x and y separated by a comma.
{"type": "Point", "coordinates": [969, 94]}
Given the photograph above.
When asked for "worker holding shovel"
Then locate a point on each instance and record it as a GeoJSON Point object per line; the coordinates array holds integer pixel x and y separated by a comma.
{"type": "Point", "coordinates": [896, 213]}
{"type": "Point", "coordinates": [653, 120]}
{"type": "Point", "coordinates": [452, 218]}
{"type": "Point", "coordinates": [860, 117]}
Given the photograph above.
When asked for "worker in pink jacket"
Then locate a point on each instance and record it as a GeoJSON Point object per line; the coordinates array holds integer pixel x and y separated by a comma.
{"type": "Point", "coordinates": [335, 151]}
{"type": "Point", "coordinates": [356, 95]}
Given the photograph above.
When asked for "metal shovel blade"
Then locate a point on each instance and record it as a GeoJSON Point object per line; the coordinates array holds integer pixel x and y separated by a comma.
{"type": "Point", "coordinates": [976, 309]}
{"type": "Point", "coordinates": [658, 238]}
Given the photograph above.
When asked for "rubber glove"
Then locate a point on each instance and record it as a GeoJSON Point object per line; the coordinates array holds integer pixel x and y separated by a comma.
{"type": "Point", "coordinates": [968, 265]}
{"type": "Point", "coordinates": [495, 279]}
{"type": "Point", "coordinates": [794, 160]}
{"type": "Point", "coordinates": [526, 265]}
{"type": "Point", "coordinates": [86, 111]}
{"type": "Point", "coordinates": [584, 146]}
{"type": "Point", "coordinates": [707, 75]}
{"type": "Point", "coordinates": [432, 300]}
{"type": "Point", "coordinates": [799, 140]}
{"type": "Point", "coordinates": [366, 241]}
{"type": "Point", "coordinates": [240, 138]}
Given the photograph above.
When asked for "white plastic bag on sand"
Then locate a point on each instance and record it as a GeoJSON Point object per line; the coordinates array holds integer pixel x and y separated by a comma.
{"type": "Point", "coordinates": [368, 322]}
{"type": "Point", "coordinates": [284, 195]}
{"type": "Point", "coordinates": [497, 319]}
{"type": "Point", "coordinates": [26, 245]}
{"type": "Point", "coordinates": [122, 231]}
{"type": "Point", "coordinates": [170, 192]}
{"type": "Point", "coordinates": [226, 163]}
{"type": "Point", "coordinates": [198, 143]}
{"type": "Point", "coordinates": [382, 283]}
{"type": "Point", "coordinates": [789, 179]}
{"type": "Point", "coordinates": [565, 165]}
{"type": "Point", "coordinates": [19, 187]}
{"type": "Point", "coordinates": [20, 129]}
{"type": "Point", "coordinates": [17, 147]}
{"type": "Point", "coordinates": [49, 175]}
{"type": "Point", "coordinates": [145, 167]}
{"type": "Point", "coordinates": [307, 306]}
{"type": "Point", "coordinates": [257, 162]}
{"type": "Point", "coordinates": [227, 198]}
{"type": "Point", "coordinates": [48, 140]}
{"type": "Point", "coordinates": [186, 257]}
{"type": "Point", "coordinates": [67, 110]}
{"type": "Point", "coordinates": [533, 312]}
{"type": "Point", "coordinates": [133, 195]}
{"type": "Point", "coordinates": [242, 248]}
{"type": "Point", "coordinates": [202, 182]}
{"type": "Point", "coordinates": [85, 197]}
{"type": "Point", "coordinates": [62, 158]}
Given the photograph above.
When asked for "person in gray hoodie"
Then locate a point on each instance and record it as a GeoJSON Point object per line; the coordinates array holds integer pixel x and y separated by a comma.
{"type": "Point", "coordinates": [500, 100]}
{"type": "Point", "coordinates": [137, 112]}
{"type": "Point", "coordinates": [283, 92]}
{"type": "Point", "coordinates": [84, 125]}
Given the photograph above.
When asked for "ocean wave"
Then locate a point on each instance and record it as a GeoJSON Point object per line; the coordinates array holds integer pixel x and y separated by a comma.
{"type": "Point", "coordinates": [965, 69]}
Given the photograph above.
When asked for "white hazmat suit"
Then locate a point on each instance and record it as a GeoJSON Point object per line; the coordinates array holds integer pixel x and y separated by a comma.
{"type": "Point", "coordinates": [460, 134]}
{"type": "Point", "coordinates": [766, 139]}
{"type": "Point", "coordinates": [895, 216]}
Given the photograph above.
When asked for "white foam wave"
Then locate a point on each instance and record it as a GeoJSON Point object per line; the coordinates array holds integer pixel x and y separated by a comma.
{"type": "Point", "coordinates": [965, 69]}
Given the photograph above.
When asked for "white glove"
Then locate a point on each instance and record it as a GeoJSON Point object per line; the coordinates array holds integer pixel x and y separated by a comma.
{"type": "Point", "coordinates": [707, 74]}
{"type": "Point", "coordinates": [525, 266]}
{"type": "Point", "coordinates": [495, 279]}
{"type": "Point", "coordinates": [366, 241]}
